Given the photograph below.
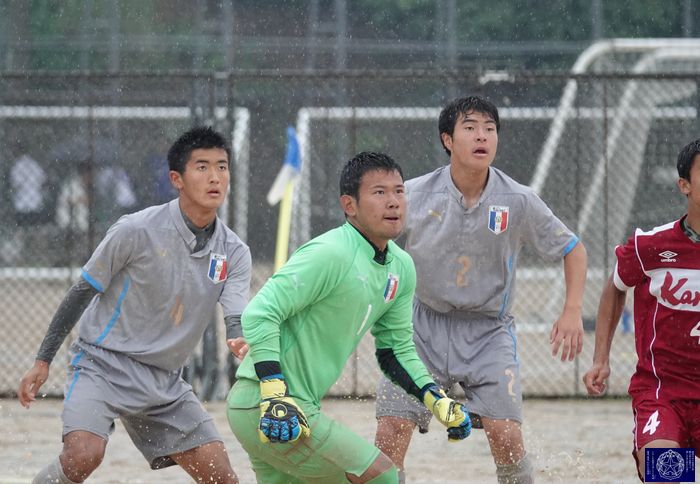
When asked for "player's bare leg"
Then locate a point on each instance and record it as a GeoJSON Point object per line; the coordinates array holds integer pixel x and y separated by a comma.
{"type": "Point", "coordinates": [393, 438]}
{"type": "Point", "coordinates": [655, 444]}
{"type": "Point", "coordinates": [508, 450]}
{"type": "Point", "coordinates": [381, 471]}
{"type": "Point", "coordinates": [207, 463]}
{"type": "Point", "coordinates": [82, 454]}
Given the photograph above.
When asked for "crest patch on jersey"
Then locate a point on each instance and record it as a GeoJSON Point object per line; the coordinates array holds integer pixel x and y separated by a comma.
{"type": "Point", "coordinates": [392, 284]}
{"type": "Point", "coordinates": [498, 219]}
{"type": "Point", "coordinates": [217, 268]}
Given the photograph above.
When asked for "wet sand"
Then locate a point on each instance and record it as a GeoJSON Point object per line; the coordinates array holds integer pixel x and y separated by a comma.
{"type": "Point", "coordinates": [587, 441]}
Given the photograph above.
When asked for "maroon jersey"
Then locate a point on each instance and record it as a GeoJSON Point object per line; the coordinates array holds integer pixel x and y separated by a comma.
{"type": "Point", "coordinates": [663, 266]}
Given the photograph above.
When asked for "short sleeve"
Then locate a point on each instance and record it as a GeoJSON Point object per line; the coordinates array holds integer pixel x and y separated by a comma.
{"type": "Point", "coordinates": [111, 255]}
{"type": "Point", "coordinates": [548, 235]}
{"type": "Point", "coordinates": [628, 269]}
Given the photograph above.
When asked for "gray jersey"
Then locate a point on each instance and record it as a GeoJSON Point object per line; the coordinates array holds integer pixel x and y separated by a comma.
{"type": "Point", "coordinates": [465, 258]}
{"type": "Point", "coordinates": [157, 297]}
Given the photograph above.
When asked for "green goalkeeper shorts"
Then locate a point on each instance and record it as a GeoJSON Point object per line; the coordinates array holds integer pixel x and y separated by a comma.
{"type": "Point", "coordinates": [331, 451]}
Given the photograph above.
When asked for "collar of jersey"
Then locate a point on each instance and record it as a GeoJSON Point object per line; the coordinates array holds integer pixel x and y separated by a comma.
{"type": "Point", "coordinates": [185, 232]}
{"type": "Point", "coordinates": [688, 230]}
{"type": "Point", "coordinates": [371, 250]}
{"type": "Point", "coordinates": [454, 191]}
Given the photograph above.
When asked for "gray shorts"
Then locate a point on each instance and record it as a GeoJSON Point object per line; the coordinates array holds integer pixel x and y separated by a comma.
{"type": "Point", "coordinates": [157, 407]}
{"type": "Point", "coordinates": [478, 353]}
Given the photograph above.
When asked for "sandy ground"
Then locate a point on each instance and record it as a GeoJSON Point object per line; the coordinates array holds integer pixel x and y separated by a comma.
{"type": "Point", "coordinates": [571, 441]}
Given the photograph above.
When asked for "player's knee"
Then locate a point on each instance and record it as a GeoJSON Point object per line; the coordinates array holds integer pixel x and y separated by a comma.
{"type": "Point", "coordinates": [81, 455]}
{"type": "Point", "coordinates": [390, 476]}
{"type": "Point", "coordinates": [506, 440]}
{"type": "Point", "coordinates": [394, 431]}
{"type": "Point", "coordinates": [393, 438]}
{"type": "Point", "coordinates": [381, 471]}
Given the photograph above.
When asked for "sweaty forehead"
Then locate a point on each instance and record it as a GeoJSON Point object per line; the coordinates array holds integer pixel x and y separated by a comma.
{"type": "Point", "coordinates": [208, 155]}
{"type": "Point", "coordinates": [475, 116]}
{"type": "Point", "coordinates": [381, 176]}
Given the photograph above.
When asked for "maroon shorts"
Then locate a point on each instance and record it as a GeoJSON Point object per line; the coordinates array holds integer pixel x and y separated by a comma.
{"type": "Point", "coordinates": [675, 420]}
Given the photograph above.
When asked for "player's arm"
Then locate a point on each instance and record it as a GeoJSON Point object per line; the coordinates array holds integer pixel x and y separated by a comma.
{"type": "Point", "coordinates": [567, 332]}
{"type": "Point", "coordinates": [281, 417]}
{"type": "Point", "coordinates": [612, 303]}
{"type": "Point", "coordinates": [234, 336]}
{"type": "Point", "coordinates": [64, 320]}
{"type": "Point", "coordinates": [234, 298]}
{"type": "Point", "coordinates": [399, 361]}
{"type": "Point", "coordinates": [552, 240]}
{"type": "Point", "coordinates": [447, 411]}
{"type": "Point", "coordinates": [110, 256]}
{"type": "Point", "coordinates": [628, 273]}
{"type": "Point", "coordinates": [310, 275]}
{"type": "Point", "coordinates": [312, 272]}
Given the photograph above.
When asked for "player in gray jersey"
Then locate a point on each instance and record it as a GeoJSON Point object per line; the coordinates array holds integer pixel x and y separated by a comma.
{"type": "Point", "coordinates": [467, 223]}
{"type": "Point", "coordinates": [144, 300]}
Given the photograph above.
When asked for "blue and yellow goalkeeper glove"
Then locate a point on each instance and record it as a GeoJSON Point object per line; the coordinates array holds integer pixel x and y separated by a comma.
{"type": "Point", "coordinates": [450, 413]}
{"type": "Point", "coordinates": [281, 419]}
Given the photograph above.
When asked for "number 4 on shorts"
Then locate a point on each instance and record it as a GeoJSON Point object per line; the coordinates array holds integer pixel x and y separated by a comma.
{"type": "Point", "coordinates": [652, 423]}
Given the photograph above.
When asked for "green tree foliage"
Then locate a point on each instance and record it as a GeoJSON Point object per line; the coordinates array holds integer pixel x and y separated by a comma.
{"type": "Point", "coordinates": [645, 18]}
{"type": "Point", "coordinates": [181, 34]}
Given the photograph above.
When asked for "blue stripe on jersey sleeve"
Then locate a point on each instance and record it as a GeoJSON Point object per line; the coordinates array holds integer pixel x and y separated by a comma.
{"type": "Point", "coordinates": [117, 312]}
{"type": "Point", "coordinates": [92, 281]}
{"type": "Point", "coordinates": [570, 246]}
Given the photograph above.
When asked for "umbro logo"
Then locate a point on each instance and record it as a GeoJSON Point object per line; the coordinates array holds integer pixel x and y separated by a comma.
{"type": "Point", "coordinates": [667, 256]}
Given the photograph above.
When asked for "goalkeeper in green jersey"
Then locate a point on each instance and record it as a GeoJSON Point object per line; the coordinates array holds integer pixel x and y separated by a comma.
{"type": "Point", "coordinates": [305, 323]}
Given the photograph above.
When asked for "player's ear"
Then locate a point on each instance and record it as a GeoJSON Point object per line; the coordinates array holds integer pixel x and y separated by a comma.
{"type": "Point", "coordinates": [446, 140]}
{"type": "Point", "coordinates": [176, 180]}
{"type": "Point", "coordinates": [684, 186]}
{"type": "Point", "coordinates": [349, 205]}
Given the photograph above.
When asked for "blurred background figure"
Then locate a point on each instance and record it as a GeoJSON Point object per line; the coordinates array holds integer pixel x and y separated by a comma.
{"type": "Point", "coordinates": [27, 179]}
{"type": "Point", "coordinates": [30, 205]}
{"type": "Point", "coordinates": [95, 193]}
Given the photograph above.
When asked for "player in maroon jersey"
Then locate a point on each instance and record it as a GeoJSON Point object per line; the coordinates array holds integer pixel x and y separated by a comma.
{"type": "Point", "coordinates": [663, 267]}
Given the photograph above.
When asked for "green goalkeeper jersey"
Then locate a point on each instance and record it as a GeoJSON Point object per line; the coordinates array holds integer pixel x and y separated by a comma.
{"type": "Point", "coordinates": [311, 315]}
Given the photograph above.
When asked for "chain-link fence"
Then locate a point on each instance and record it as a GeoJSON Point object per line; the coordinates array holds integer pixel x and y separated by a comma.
{"type": "Point", "coordinates": [79, 150]}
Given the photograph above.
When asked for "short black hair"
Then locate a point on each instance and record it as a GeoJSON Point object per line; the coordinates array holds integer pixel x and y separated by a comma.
{"type": "Point", "coordinates": [199, 137]}
{"type": "Point", "coordinates": [464, 105]}
{"type": "Point", "coordinates": [686, 158]}
{"type": "Point", "coordinates": [354, 170]}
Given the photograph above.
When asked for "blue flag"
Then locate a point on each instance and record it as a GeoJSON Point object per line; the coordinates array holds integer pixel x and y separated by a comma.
{"type": "Point", "coordinates": [290, 171]}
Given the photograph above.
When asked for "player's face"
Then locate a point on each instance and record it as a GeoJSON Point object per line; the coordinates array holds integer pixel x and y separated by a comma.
{"type": "Point", "coordinates": [204, 183]}
{"type": "Point", "coordinates": [473, 143]}
{"type": "Point", "coordinates": [692, 188]}
{"type": "Point", "coordinates": [379, 211]}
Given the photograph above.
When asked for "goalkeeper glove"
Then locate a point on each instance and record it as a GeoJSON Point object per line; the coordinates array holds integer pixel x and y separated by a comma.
{"type": "Point", "coordinates": [281, 419]}
{"type": "Point", "coordinates": [450, 413]}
